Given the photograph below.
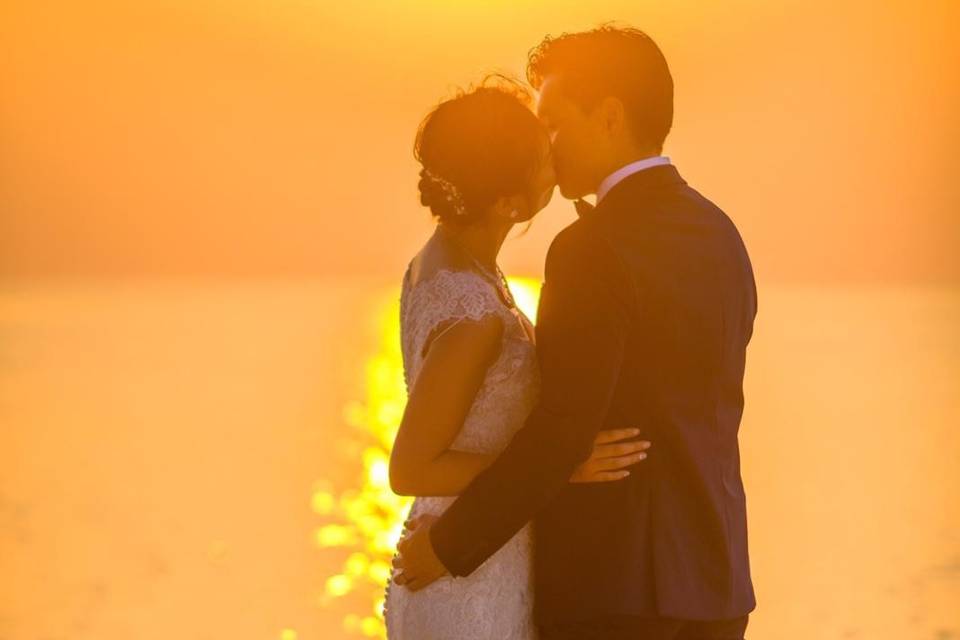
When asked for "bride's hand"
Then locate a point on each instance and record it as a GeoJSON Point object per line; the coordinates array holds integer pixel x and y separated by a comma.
{"type": "Point", "coordinates": [610, 456]}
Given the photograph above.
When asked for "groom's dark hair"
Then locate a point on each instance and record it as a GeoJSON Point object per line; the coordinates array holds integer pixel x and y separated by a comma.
{"type": "Point", "coordinates": [611, 61]}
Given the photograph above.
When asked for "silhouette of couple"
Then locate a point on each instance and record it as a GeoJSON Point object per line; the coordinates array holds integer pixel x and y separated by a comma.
{"type": "Point", "coordinates": [580, 478]}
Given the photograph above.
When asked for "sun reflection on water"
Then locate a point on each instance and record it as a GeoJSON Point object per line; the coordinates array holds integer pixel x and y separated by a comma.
{"type": "Point", "coordinates": [366, 520]}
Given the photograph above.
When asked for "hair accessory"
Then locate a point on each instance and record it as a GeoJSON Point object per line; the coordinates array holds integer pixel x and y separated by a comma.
{"type": "Point", "coordinates": [450, 192]}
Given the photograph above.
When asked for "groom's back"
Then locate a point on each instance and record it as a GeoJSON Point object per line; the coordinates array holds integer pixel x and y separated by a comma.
{"type": "Point", "coordinates": [670, 540]}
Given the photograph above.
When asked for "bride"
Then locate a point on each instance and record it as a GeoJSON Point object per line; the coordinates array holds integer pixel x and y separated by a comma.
{"type": "Point", "coordinates": [469, 358]}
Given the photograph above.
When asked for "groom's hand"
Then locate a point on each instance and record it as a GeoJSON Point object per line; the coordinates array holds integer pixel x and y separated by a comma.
{"type": "Point", "coordinates": [419, 566]}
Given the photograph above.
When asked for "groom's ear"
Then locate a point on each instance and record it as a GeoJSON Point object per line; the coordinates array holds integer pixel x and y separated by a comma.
{"type": "Point", "coordinates": [612, 115]}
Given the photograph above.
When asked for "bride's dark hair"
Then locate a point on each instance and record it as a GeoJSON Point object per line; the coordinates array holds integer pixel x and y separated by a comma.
{"type": "Point", "coordinates": [479, 146]}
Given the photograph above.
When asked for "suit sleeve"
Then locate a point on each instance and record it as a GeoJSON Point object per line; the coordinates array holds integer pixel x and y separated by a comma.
{"type": "Point", "coordinates": [581, 334]}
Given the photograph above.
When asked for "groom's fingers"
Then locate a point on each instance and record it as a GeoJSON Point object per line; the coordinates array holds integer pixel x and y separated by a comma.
{"type": "Point", "coordinates": [622, 449]}
{"type": "Point", "coordinates": [609, 476]}
{"type": "Point", "coordinates": [421, 582]}
{"type": "Point", "coordinates": [415, 585]}
{"type": "Point", "coordinates": [619, 462]}
{"type": "Point", "coordinates": [614, 435]}
{"type": "Point", "coordinates": [414, 522]}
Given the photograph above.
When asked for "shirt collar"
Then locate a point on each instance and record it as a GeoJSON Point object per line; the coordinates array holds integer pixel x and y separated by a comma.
{"type": "Point", "coordinates": [611, 181]}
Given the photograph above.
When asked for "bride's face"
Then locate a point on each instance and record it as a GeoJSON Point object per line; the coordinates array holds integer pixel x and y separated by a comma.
{"type": "Point", "coordinates": [540, 188]}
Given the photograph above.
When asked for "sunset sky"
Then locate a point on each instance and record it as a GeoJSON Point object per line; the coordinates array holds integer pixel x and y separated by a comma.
{"type": "Point", "coordinates": [206, 210]}
{"type": "Point", "coordinates": [273, 137]}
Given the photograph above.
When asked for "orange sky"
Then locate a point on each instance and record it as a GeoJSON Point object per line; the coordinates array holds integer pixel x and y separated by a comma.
{"type": "Point", "coordinates": [274, 136]}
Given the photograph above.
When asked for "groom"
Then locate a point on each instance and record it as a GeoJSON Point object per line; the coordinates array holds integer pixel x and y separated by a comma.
{"type": "Point", "coordinates": [644, 321]}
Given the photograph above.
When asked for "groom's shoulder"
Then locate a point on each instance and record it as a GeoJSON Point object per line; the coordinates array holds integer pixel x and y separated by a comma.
{"type": "Point", "coordinates": [581, 241]}
{"type": "Point", "coordinates": [575, 234]}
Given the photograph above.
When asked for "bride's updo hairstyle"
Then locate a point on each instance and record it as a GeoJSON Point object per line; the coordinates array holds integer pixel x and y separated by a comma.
{"type": "Point", "coordinates": [477, 147]}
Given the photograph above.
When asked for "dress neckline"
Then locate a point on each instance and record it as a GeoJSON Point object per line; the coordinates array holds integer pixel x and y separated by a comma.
{"type": "Point", "coordinates": [515, 311]}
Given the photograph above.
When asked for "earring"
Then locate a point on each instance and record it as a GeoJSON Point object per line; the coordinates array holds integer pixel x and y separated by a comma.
{"type": "Point", "coordinates": [514, 214]}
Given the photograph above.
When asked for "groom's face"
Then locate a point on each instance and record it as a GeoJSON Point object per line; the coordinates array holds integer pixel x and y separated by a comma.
{"type": "Point", "coordinates": [577, 137]}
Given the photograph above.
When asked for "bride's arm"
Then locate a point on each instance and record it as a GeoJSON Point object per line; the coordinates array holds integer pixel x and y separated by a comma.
{"type": "Point", "coordinates": [421, 462]}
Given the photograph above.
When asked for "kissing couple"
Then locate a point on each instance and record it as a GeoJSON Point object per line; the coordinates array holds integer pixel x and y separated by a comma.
{"type": "Point", "coordinates": [579, 478]}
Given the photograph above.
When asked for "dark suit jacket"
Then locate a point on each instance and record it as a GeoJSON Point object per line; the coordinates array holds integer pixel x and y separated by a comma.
{"type": "Point", "coordinates": [645, 317]}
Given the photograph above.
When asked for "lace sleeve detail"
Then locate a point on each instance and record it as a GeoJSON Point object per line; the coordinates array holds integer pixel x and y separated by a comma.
{"type": "Point", "coordinates": [444, 299]}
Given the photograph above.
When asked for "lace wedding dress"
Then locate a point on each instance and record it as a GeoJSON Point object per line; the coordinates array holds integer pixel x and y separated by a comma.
{"type": "Point", "coordinates": [495, 601]}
